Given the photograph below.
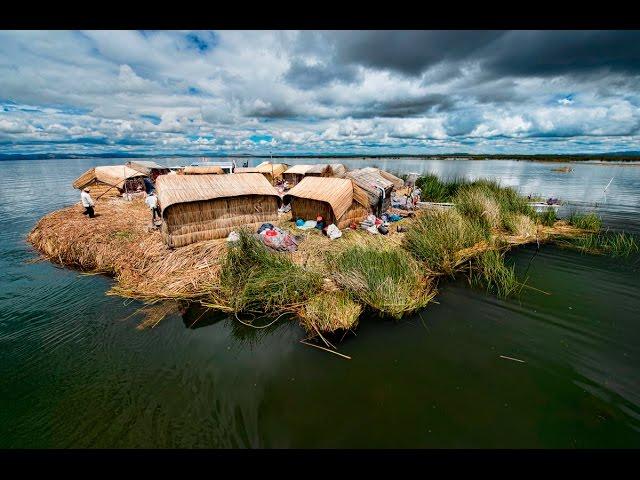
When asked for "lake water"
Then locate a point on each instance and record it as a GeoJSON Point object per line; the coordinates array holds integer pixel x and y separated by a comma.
{"type": "Point", "coordinates": [75, 372]}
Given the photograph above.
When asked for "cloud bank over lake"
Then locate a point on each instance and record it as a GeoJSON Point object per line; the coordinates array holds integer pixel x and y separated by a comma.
{"type": "Point", "coordinates": [319, 92]}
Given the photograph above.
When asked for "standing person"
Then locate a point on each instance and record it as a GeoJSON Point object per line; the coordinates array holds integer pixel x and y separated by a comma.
{"type": "Point", "coordinates": [87, 202]}
{"type": "Point", "coordinates": [152, 203]}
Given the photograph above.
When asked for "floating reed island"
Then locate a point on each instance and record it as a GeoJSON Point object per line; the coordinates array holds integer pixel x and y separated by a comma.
{"type": "Point", "coordinates": [325, 283]}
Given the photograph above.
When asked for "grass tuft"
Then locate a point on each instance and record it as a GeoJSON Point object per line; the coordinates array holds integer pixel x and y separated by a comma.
{"type": "Point", "coordinates": [491, 272]}
{"type": "Point", "coordinates": [586, 221]}
{"type": "Point", "coordinates": [389, 281]}
{"type": "Point", "coordinates": [435, 190]}
{"type": "Point", "coordinates": [548, 217]}
{"type": "Point", "coordinates": [254, 279]}
{"type": "Point", "coordinates": [330, 311]}
{"type": "Point", "coordinates": [618, 244]}
{"type": "Point", "coordinates": [437, 237]}
{"type": "Point", "coordinates": [475, 203]}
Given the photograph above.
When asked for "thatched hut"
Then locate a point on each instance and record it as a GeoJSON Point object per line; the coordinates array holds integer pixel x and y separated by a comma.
{"type": "Point", "coordinates": [272, 171]}
{"type": "Point", "coordinates": [203, 170]}
{"type": "Point", "coordinates": [398, 183]}
{"type": "Point", "coordinates": [338, 200]}
{"type": "Point", "coordinates": [327, 170]}
{"type": "Point", "coordinates": [204, 207]}
{"type": "Point", "coordinates": [377, 185]}
{"type": "Point", "coordinates": [149, 168]}
{"type": "Point", "coordinates": [295, 174]}
{"type": "Point", "coordinates": [110, 180]}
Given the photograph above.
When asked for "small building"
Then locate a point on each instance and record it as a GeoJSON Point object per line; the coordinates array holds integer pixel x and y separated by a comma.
{"type": "Point", "coordinates": [226, 166]}
{"type": "Point", "coordinates": [338, 200]}
{"type": "Point", "coordinates": [327, 170]}
{"type": "Point", "coordinates": [110, 180]}
{"type": "Point", "coordinates": [149, 168]}
{"type": "Point", "coordinates": [272, 171]}
{"type": "Point", "coordinates": [296, 173]}
{"type": "Point", "coordinates": [293, 175]}
{"type": "Point", "coordinates": [206, 207]}
{"type": "Point", "coordinates": [378, 184]}
{"type": "Point", "coordinates": [203, 170]}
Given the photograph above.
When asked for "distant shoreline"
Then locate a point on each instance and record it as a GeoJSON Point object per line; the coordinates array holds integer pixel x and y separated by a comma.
{"type": "Point", "coordinates": [555, 158]}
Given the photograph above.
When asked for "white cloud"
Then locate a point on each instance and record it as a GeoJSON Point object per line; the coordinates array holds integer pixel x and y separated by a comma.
{"type": "Point", "coordinates": [164, 91]}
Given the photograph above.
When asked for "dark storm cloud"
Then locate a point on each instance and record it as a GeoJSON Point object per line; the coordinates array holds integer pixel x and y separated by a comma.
{"type": "Point", "coordinates": [307, 76]}
{"type": "Point", "coordinates": [272, 111]}
{"type": "Point", "coordinates": [406, 107]}
{"type": "Point", "coordinates": [409, 52]}
{"type": "Point", "coordinates": [516, 53]}
{"type": "Point", "coordinates": [523, 53]}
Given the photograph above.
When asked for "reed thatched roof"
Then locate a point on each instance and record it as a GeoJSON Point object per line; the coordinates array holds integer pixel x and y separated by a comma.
{"type": "Point", "coordinates": [339, 193]}
{"type": "Point", "coordinates": [113, 175]}
{"type": "Point", "coordinates": [397, 182]}
{"type": "Point", "coordinates": [371, 180]}
{"type": "Point", "coordinates": [145, 166]}
{"type": "Point", "coordinates": [299, 169]}
{"type": "Point", "coordinates": [328, 170]}
{"type": "Point", "coordinates": [276, 169]}
{"type": "Point", "coordinates": [173, 189]}
{"type": "Point", "coordinates": [338, 170]}
{"type": "Point", "coordinates": [203, 170]}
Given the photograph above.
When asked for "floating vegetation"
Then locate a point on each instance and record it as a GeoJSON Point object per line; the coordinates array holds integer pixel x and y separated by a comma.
{"type": "Point", "coordinates": [562, 169]}
{"type": "Point", "coordinates": [614, 244]}
{"type": "Point", "coordinates": [325, 284]}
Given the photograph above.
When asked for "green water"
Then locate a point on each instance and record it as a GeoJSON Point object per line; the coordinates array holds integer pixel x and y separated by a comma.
{"type": "Point", "coordinates": [75, 372]}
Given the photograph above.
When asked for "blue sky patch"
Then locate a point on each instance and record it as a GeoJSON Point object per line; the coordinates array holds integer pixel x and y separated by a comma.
{"type": "Point", "coordinates": [152, 118]}
{"type": "Point", "coordinates": [260, 138]}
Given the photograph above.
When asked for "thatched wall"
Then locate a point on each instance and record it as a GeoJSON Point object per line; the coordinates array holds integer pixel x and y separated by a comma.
{"type": "Point", "coordinates": [338, 200]}
{"type": "Point", "coordinates": [309, 209]}
{"type": "Point", "coordinates": [355, 214]}
{"type": "Point", "coordinates": [191, 222]}
{"type": "Point", "coordinates": [369, 180]}
{"type": "Point", "coordinates": [293, 178]}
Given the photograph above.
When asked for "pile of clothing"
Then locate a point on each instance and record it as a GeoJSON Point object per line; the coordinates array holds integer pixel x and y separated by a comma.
{"type": "Point", "coordinates": [277, 239]}
{"type": "Point", "coordinates": [374, 225]}
{"type": "Point", "coordinates": [309, 224]}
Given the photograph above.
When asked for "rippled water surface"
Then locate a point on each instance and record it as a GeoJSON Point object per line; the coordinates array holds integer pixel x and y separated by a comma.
{"type": "Point", "coordinates": [75, 372]}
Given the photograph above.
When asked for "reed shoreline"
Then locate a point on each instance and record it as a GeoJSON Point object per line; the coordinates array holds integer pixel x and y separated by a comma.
{"type": "Point", "coordinates": [326, 284]}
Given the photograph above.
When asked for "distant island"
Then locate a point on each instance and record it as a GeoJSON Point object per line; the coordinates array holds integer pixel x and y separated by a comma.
{"type": "Point", "coordinates": [631, 156]}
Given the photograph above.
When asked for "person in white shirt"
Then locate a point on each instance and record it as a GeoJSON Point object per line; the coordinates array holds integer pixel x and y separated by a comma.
{"type": "Point", "coordinates": [152, 203]}
{"type": "Point", "coordinates": [87, 203]}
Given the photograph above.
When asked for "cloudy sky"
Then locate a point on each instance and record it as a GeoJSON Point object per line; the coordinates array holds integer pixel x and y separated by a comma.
{"type": "Point", "coordinates": [319, 92]}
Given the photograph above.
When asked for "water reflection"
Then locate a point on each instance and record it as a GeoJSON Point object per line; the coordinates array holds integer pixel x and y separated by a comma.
{"type": "Point", "coordinates": [75, 372]}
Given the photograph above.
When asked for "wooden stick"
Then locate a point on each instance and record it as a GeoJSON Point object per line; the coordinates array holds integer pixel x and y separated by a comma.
{"type": "Point", "coordinates": [514, 359]}
{"type": "Point", "coordinates": [326, 350]}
